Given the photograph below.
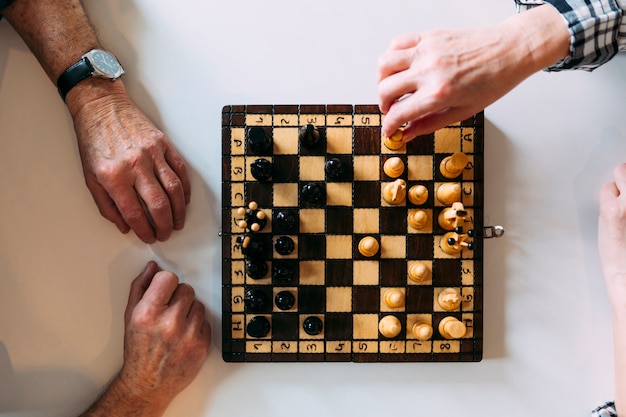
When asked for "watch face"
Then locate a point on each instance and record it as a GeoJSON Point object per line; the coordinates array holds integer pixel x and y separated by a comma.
{"type": "Point", "coordinates": [106, 63]}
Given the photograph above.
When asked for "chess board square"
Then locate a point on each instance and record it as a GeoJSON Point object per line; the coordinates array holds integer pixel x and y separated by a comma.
{"type": "Point", "coordinates": [363, 192]}
{"type": "Point", "coordinates": [312, 299]}
{"type": "Point", "coordinates": [365, 326]}
{"type": "Point", "coordinates": [285, 195]}
{"type": "Point", "coordinates": [284, 168]}
{"type": "Point", "coordinates": [365, 272]}
{"type": "Point", "coordinates": [420, 167]}
{"type": "Point", "coordinates": [339, 220]}
{"type": "Point", "coordinates": [366, 221]}
{"type": "Point", "coordinates": [339, 140]}
{"type": "Point", "coordinates": [312, 273]}
{"type": "Point", "coordinates": [347, 168]}
{"type": "Point", "coordinates": [338, 272]}
{"type": "Point", "coordinates": [427, 279]}
{"type": "Point", "coordinates": [393, 220]}
{"type": "Point", "coordinates": [446, 272]}
{"type": "Point", "coordinates": [339, 194]}
{"type": "Point", "coordinates": [419, 299]}
{"type": "Point", "coordinates": [420, 246]}
{"type": "Point", "coordinates": [304, 335]}
{"type": "Point", "coordinates": [393, 272]}
{"type": "Point", "coordinates": [261, 192]}
{"type": "Point", "coordinates": [383, 202]}
{"type": "Point", "coordinates": [312, 220]}
{"type": "Point", "coordinates": [366, 299]}
{"type": "Point", "coordinates": [393, 246]}
{"type": "Point", "coordinates": [448, 140]}
{"type": "Point", "coordinates": [285, 326]}
{"type": "Point", "coordinates": [303, 201]}
{"type": "Point", "coordinates": [315, 119]}
{"type": "Point", "coordinates": [338, 299]}
{"type": "Point", "coordinates": [339, 246]}
{"type": "Point", "coordinates": [286, 140]}
{"type": "Point", "coordinates": [338, 326]}
{"type": "Point", "coordinates": [312, 168]}
{"type": "Point", "coordinates": [286, 272]}
{"type": "Point", "coordinates": [237, 138]}
{"type": "Point", "coordinates": [366, 168]}
{"type": "Point", "coordinates": [367, 141]}
{"type": "Point", "coordinates": [421, 145]}
{"type": "Point", "coordinates": [312, 246]}
{"type": "Point", "coordinates": [427, 228]}
{"type": "Point", "coordinates": [292, 255]}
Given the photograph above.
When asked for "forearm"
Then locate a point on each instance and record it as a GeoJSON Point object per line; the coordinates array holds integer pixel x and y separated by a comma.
{"type": "Point", "coordinates": [58, 33]}
{"type": "Point", "coordinates": [619, 345]}
{"type": "Point", "coordinates": [543, 36]}
{"type": "Point", "coordinates": [118, 401]}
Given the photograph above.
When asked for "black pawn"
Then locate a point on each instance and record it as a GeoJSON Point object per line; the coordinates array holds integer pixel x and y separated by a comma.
{"type": "Point", "coordinates": [334, 168]}
{"type": "Point", "coordinates": [309, 136]}
{"type": "Point", "coordinates": [312, 325]}
{"type": "Point", "coordinates": [285, 300]}
{"type": "Point", "coordinates": [255, 300]}
{"type": "Point", "coordinates": [261, 169]}
{"type": "Point", "coordinates": [284, 245]}
{"type": "Point", "coordinates": [258, 141]}
{"type": "Point", "coordinates": [286, 220]}
{"type": "Point", "coordinates": [283, 273]}
{"type": "Point", "coordinates": [256, 269]}
{"type": "Point", "coordinates": [254, 248]}
{"type": "Point", "coordinates": [258, 326]}
{"type": "Point", "coordinates": [312, 193]}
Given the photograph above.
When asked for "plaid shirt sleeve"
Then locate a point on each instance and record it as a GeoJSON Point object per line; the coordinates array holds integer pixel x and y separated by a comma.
{"type": "Point", "coordinates": [606, 410]}
{"type": "Point", "coordinates": [596, 30]}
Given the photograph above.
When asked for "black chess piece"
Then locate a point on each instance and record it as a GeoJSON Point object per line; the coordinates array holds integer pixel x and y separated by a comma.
{"type": "Point", "coordinates": [256, 268]}
{"type": "Point", "coordinates": [312, 325]}
{"type": "Point", "coordinates": [309, 136]}
{"type": "Point", "coordinates": [258, 326]}
{"type": "Point", "coordinates": [285, 300]}
{"type": "Point", "coordinates": [256, 300]}
{"type": "Point", "coordinates": [252, 246]}
{"type": "Point", "coordinates": [313, 193]}
{"type": "Point", "coordinates": [286, 221]}
{"type": "Point", "coordinates": [284, 245]}
{"type": "Point", "coordinates": [334, 168]}
{"type": "Point", "coordinates": [261, 169]}
{"type": "Point", "coordinates": [258, 140]}
{"type": "Point", "coordinates": [283, 273]}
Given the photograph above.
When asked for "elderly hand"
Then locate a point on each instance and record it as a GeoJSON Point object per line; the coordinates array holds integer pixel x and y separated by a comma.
{"type": "Point", "coordinates": [137, 179]}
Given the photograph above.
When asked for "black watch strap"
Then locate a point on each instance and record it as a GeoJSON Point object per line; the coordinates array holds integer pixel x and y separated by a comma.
{"type": "Point", "coordinates": [73, 75]}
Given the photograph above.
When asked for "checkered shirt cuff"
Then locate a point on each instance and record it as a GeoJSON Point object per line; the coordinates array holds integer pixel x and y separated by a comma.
{"type": "Point", "coordinates": [606, 410]}
{"type": "Point", "coordinates": [596, 30]}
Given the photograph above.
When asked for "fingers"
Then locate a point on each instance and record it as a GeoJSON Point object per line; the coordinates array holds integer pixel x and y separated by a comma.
{"type": "Point", "coordinates": [105, 204]}
{"type": "Point", "coordinates": [619, 176]}
{"type": "Point", "coordinates": [161, 289]}
{"type": "Point", "coordinates": [177, 163]}
{"type": "Point", "coordinates": [156, 219]}
{"type": "Point", "coordinates": [412, 107]}
{"type": "Point", "coordinates": [139, 286]}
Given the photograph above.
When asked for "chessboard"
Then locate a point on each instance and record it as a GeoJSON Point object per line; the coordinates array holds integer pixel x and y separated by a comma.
{"type": "Point", "coordinates": [342, 245]}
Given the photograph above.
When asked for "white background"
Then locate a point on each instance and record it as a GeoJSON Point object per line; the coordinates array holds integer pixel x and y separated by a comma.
{"type": "Point", "coordinates": [65, 271]}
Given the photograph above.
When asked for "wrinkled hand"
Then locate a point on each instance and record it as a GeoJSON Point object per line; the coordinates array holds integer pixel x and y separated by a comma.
{"type": "Point", "coordinates": [436, 78]}
{"type": "Point", "coordinates": [612, 237]}
{"type": "Point", "coordinates": [137, 179]}
{"type": "Point", "coordinates": [432, 79]}
{"type": "Point", "coordinates": [167, 337]}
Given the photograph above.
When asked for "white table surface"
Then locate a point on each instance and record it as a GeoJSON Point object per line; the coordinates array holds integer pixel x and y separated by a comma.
{"type": "Point", "coordinates": [65, 271]}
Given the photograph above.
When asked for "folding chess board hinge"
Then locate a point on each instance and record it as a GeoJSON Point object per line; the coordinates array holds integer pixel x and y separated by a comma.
{"type": "Point", "coordinates": [492, 231]}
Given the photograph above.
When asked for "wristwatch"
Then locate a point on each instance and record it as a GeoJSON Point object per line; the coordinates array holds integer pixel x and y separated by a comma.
{"type": "Point", "coordinates": [95, 63]}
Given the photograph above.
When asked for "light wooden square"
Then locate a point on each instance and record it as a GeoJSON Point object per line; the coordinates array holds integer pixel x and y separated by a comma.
{"type": "Point", "coordinates": [429, 266]}
{"type": "Point", "coordinates": [286, 140]}
{"type": "Point", "coordinates": [365, 272]}
{"type": "Point", "coordinates": [236, 194]}
{"type": "Point", "coordinates": [237, 272]}
{"type": "Point", "coordinates": [338, 299]}
{"type": "Point", "coordinates": [292, 255]}
{"type": "Point", "coordinates": [312, 220]}
{"type": "Point", "coordinates": [339, 120]}
{"type": "Point", "coordinates": [366, 168]}
{"type": "Point", "coordinates": [393, 246]}
{"type": "Point", "coordinates": [312, 273]}
{"type": "Point", "coordinates": [339, 194]}
{"type": "Point", "coordinates": [249, 162]}
{"type": "Point", "coordinates": [237, 168]}
{"type": "Point", "coordinates": [258, 119]}
{"type": "Point", "coordinates": [467, 272]}
{"type": "Point", "coordinates": [467, 145]}
{"type": "Point", "coordinates": [286, 195]}
{"type": "Point", "coordinates": [313, 119]}
{"type": "Point", "coordinates": [420, 167]}
{"type": "Point", "coordinates": [448, 140]}
{"type": "Point", "coordinates": [237, 141]}
{"type": "Point", "coordinates": [285, 120]}
{"type": "Point", "coordinates": [428, 228]}
{"type": "Point", "coordinates": [365, 326]}
{"type": "Point", "coordinates": [439, 253]}
{"type": "Point", "coordinates": [366, 220]}
{"type": "Point", "coordinates": [339, 246]}
{"type": "Point", "coordinates": [339, 140]}
{"type": "Point", "coordinates": [411, 319]}
{"type": "Point", "coordinates": [236, 299]}
{"type": "Point", "coordinates": [312, 168]}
